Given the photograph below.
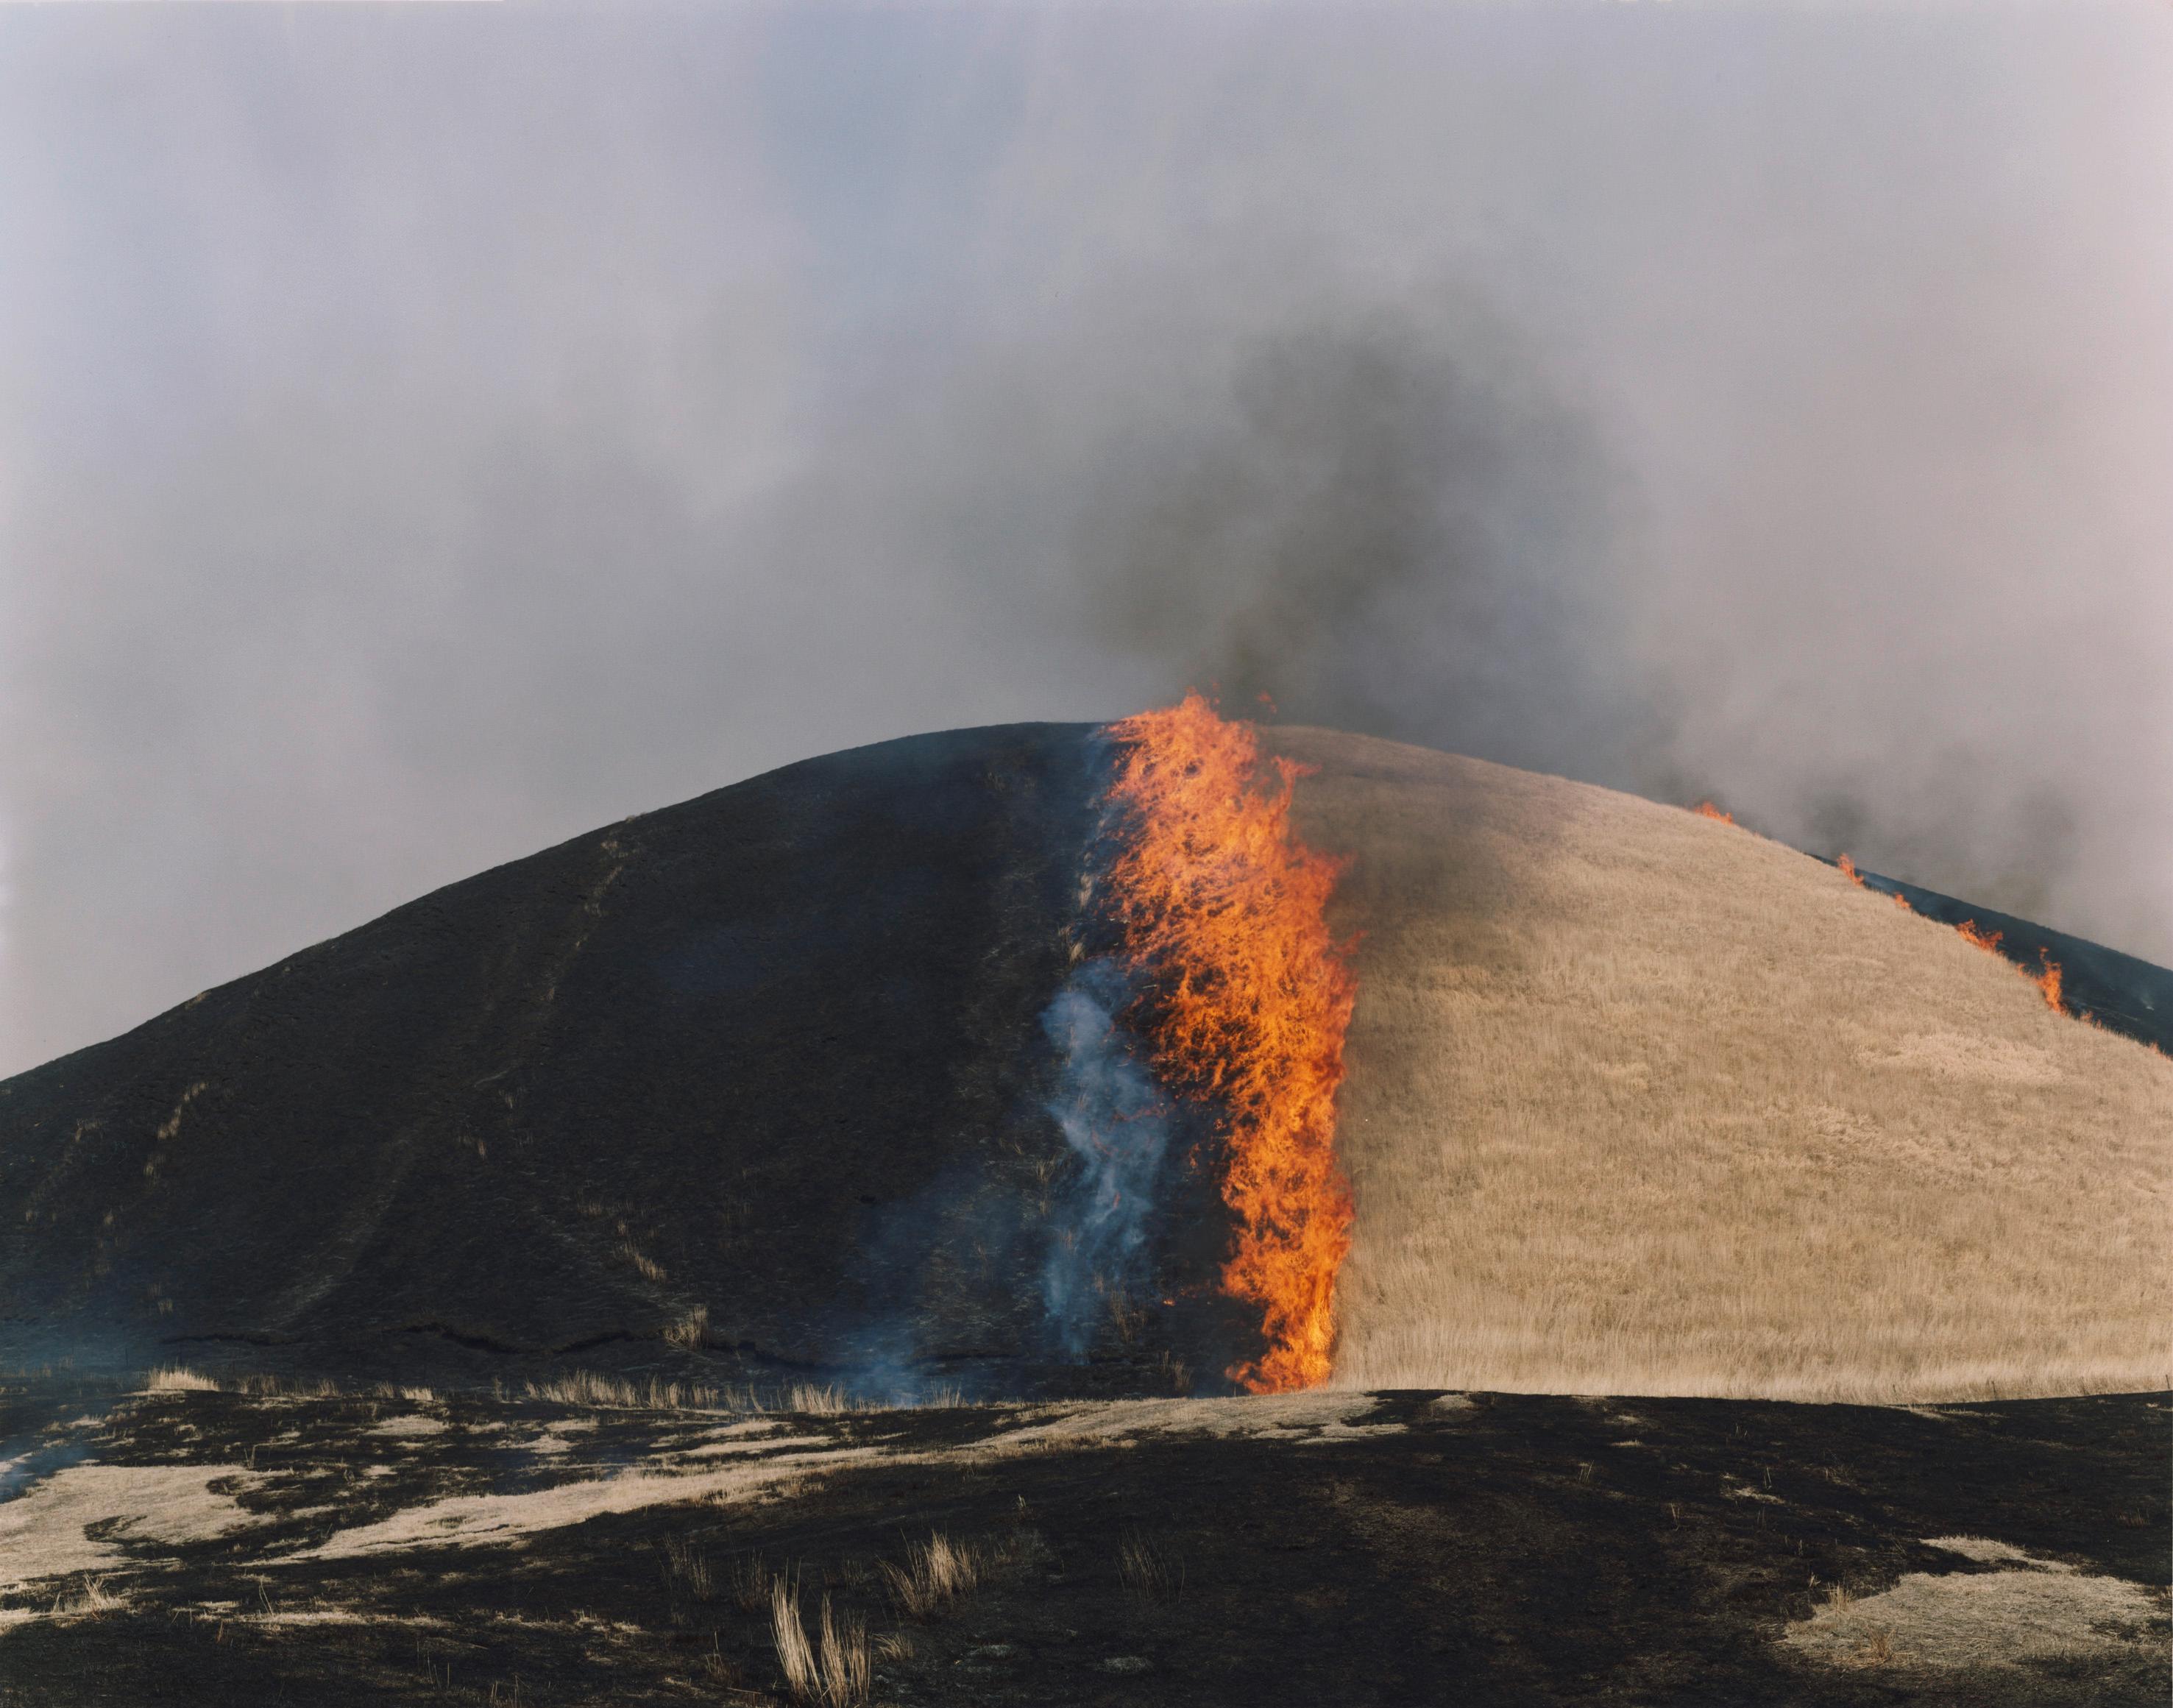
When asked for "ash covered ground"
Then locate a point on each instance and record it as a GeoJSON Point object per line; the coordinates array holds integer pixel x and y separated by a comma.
{"type": "Point", "coordinates": [231, 1548]}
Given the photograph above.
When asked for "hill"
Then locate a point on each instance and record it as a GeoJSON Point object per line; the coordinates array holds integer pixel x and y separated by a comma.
{"type": "Point", "coordinates": [755, 1088]}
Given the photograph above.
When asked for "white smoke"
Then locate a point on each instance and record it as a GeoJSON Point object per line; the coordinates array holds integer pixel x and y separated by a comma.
{"type": "Point", "coordinates": [1118, 1125]}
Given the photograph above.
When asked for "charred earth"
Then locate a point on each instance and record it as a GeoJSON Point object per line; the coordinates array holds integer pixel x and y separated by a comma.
{"type": "Point", "coordinates": [1320, 1548]}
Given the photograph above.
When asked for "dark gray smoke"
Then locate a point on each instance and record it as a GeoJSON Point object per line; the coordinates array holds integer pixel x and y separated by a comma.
{"type": "Point", "coordinates": [428, 431]}
{"type": "Point", "coordinates": [1385, 523]}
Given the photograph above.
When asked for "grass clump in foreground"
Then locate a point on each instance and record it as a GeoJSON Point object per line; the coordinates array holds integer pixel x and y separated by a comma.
{"type": "Point", "coordinates": [833, 1669]}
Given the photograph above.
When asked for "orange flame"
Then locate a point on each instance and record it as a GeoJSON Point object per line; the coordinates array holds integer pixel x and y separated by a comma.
{"type": "Point", "coordinates": [2046, 979]}
{"type": "Point", "coordinates": [1849, 871]}
{"type": "Point", "coordinates": [1250, 999]}
{"type": "Point", "coordinates": [1706, 809]}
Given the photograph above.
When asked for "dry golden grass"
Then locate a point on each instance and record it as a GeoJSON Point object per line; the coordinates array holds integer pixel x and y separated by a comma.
{"type": "Point", "coordinates": [2045, 1614]}
{"type": "Point", "coordinates": [818, 1401]}
{"type": "Point", "coordinates": [895, 1646]}
{"type": "Point", "coordinates": [689, 1330]}
{"type": "Point", "coordinates": [833, 1669]}
{"type": "Point", "coordinates": [591, 1388]}
{"type": "Point", "coordinates": [1642, 1103]}
{"type": "Point", "coordinates": [177, 1378]}
{"type": "Point", "coordinates": [842, 1648]}
{"type": "Point", "coordinates": [90, 1601]}
{"type": "Point", "coordinates": [795, 1654]}
{"type": "Point", "coordinates": [936, 1573]}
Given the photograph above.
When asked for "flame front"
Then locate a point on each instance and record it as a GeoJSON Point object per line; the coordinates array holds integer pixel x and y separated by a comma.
{"type": "Point", "coordinates": [2047, 977]}
{"type": "Point", "coordinates": [1248, 998]}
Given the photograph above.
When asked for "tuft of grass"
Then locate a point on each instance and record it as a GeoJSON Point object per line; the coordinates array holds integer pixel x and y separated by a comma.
{"type": "Point", "coordinates": [685, 1564]}
{"type": "Point", "coordinates": [846, 1674]}
{"type": "Point", "coordinates": [91, 1599]}
{"type": "Point", "coordinates": [825, 1401]}
{"type": "Point", "coordinates": [750, 1583]}
{"type": "Point", "coordinates": [316, 1387]}
{"type": "Point", "coordinates": [833, 1669]}
{"type": "Point", "coordinates": [853, 1571]}
{"type": "Point", "coordinates": [1152, 1569]}
{"type": "Point", "coordinates": [690, 1330]}
{"type": "Point", "coordinates": [592, 1389]}
{"type": "Point", "coordinates": [894, 1646]}
{"type": "Point", "coordinates": [795, 1654]}
{"type": "Point", "coordinates": [1876, 1650]}
{"type": "Point", "coordinates": [944, 1397]}
{"type": "Point", "coordinates": [645, 1266]}
{"type": "Point", "coordinates": [936, 1573]}
{"type": "Point", "coordinates": [177, 1378]}
{"type": "Point", "coordinates": [393, 1390]}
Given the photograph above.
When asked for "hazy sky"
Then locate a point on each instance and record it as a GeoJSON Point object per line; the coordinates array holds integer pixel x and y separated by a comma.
{"type": "Point", "coordinates": [427, 433]}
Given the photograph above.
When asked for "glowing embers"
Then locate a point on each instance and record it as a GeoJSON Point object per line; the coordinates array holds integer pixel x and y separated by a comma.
{"type": "Point", "coordinates": [1243, 1000]}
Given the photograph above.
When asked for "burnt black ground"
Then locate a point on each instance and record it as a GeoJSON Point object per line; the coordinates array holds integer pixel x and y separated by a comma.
{"type": "Point", "coordinates": [1493, 1549]}
{"type": "Point", "coordinates": [773, 1052]}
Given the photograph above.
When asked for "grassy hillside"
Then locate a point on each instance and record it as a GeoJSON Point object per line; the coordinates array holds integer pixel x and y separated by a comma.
{"type": "Point", "coordinates": [1642, 1103]}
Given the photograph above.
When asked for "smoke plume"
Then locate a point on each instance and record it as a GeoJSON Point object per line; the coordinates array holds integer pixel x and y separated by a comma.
{"type": "Point", "coordinates": [1383, 523]}
{"type": "Point", "coordinates": [1118, 1125]}
{"type": "Point", "coordinates": [427, 433]}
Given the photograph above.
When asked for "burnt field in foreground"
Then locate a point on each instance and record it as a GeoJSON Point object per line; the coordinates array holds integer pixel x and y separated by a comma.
{"type": "Point", "coordinates": [203, 1546]}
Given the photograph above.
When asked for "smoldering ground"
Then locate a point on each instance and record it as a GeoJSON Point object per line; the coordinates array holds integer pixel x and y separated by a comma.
{"type": "Point", "coordinates": [430, 435]}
